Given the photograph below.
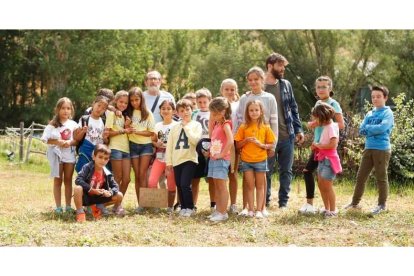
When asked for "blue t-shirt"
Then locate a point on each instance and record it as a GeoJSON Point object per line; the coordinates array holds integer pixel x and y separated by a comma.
{"type": "Point", "coordinates": [338, 110]}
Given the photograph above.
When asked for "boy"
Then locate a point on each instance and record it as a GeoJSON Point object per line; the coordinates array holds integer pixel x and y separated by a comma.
{"type": "Point", "coordinates": [96, 185]}
{"type": "Point", "coordinates": [202, 115]}
{"type": "Point", "coordinates": [376, 126]}
{"type": "Point", "coordinates": [181, 155]}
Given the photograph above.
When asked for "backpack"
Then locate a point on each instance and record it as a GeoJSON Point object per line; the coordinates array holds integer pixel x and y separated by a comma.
{"type": "Point", "coordinates": [344, 133]}
{"type": "Point", "coordinates": [84, 122]}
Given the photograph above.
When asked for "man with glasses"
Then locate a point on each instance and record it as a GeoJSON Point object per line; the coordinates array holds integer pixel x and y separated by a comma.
{"type": "Point", "coordinates": [289, 126]}
{"type": "Point", "coordinates": [154, 96]}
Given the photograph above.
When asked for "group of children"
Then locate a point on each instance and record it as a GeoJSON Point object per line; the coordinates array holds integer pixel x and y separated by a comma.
{"type": "Point", "coordinates": [202, 136]}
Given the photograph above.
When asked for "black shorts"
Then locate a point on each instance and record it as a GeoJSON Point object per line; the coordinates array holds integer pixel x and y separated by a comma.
{"type": "Point", "coordinates": [88, 200]}
{"type": "Point", "coordinates": [202, 167]}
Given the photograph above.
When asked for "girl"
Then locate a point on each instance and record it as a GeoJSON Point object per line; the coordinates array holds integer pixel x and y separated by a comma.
{"type": "Point", "coordinates": [323, 86]}
{"type": "Point", "coordinates": [159, 140]}
{"type": "Point", "coordinates": [58, 134]}
{"type": "Point", "coordinates": [229, 90]}
{"type": "Point", "coordinates": [325, 152]}
{"type": "Point", "coordinates": [254, 138]}
{"type": "Point", "coordinates": [90, 131]}
{"type": "Point", "coordinates": [221, 143]}
{"type": "Point", "coordinates": [119, 145]}
{"type": "Point", "coordinates": [181, 155]}
{"type": "Point", "coordinates": [140, 143]}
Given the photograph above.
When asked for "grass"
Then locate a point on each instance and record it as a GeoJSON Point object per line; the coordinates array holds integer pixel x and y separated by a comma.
{"type": "Point", "coordinates": [26, 219]}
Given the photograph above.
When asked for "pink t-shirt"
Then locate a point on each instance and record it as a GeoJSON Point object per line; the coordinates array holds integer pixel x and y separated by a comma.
{"type": "Point", "coordinates": [328, 132]}
{"type": "Point", "coordinates": [219, 140]}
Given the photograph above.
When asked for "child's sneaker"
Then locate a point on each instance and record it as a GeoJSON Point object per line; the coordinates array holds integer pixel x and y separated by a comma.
{"type": "Point", "coordinates": [307, 209]}
{"type": "Point", "coordinates": [259, 215]}
{"type": "Point", "coordinates": [140, 210]}
{"type": "Point", "coordinates": [233, 209]}
{"type": "Point", "coordinates": [265, 213]}
{"type": "Point", "coordinates": [103, 209]}
{"type": "Point", "coordinates": [96, 212]}
{"type": "Point", "coordinates": [188, 213]}
{"type": "Point", "coordinates": [170, 210]}
{"type": "Point", "coordinates": [378, 209]}
{"type": "Point", "coordinates": [212, 214]}
{"type": "Point", "coordinates": [182, 212]}
{"type": "Point", "coordinates": [219, 217]}
{"type": "Point", "coordinates": [58, 211]}
{"type": "Point", "coordinates": [351, 206]}
{"type": "Point", "coordinates": [330, 214]}
{"type": "Point", "coordinates": [80, 217]}
{"type": "Point", "coordinates": [250, 214]}
{"type": "Point", "coordinates": [120, 211]}
{"type": "Point", "coordinates": [177, 208]}
{"type": "Point", "coordinates": [244, 213]}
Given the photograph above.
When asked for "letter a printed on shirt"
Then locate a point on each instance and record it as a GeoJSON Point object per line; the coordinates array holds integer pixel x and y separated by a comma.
{"type": "Point", "coordinates": [182, 138]}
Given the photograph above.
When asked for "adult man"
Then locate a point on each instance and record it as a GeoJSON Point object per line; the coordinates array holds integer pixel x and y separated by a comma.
{"type": "Point", "coordinates": [289, 126]}
{"type": "Point", "coordinates": [154, 96]}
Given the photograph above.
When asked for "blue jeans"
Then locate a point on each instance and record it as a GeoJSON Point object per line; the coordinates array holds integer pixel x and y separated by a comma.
{"type": "Point", "coordinates": [284, 154]}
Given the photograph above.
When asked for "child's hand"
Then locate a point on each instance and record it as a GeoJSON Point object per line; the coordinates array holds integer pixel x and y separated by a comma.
{"type": "Point", "coordinates": [106, 133]}
{"type": "Point", "coordinates": [106, 193]}
{"type": "Point", "coordinates": [127, 122]}
{"type": "Point", "coordinates": [312, 124]}
{"type": "Point", "coordinates": [97, 192]}
{"type": "Point", "coordinates": [128, 130]}
{"type": "Point", "coordinates": [118, 113]}
{"type": "Point", "coordinates": [314, 146]}
{"type": "Point", "coordinates": [160, 144]}
{"type": "Point", "coordinates": [66, 143]}
{"type": "Point", "coordinates": [270, 153]}
{"type": "Point", "coordinates": [206, 153]}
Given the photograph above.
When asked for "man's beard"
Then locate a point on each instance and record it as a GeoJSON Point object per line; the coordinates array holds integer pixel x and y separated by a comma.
{"type": "Point", "coordinates": [153, 89]}
{"type": "Point", "coordinates": [276, 74]}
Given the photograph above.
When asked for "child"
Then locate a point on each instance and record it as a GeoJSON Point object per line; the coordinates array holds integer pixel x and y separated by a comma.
{"type": "Point", "coordinates": [192, 97]}
{"type": "Point", "coordinates": [323, 86]}
{"type": "Point", "coordinates": [376, 126]}
{"type": "Point", "coordinates": [119, 144]}
{"type": "Point", "coordinates": [221, 143]}
{"type": "Point", "coordinates": [109, 94]}
{"type": "Point", "coordinates": [96, 185]}
{"type": "Point", "coordinates": [90, 131]}
{"type": "Point", "coordinates": [229, 90]}
{"type": "Point", "coordinates": [325, 152]}
{"type": "Point", "coordinates": [160, 138]}
{"type": "Point", "coordinates": [256, 79]}
{"type": "Point", "coordinates": [58, 134]}
{"type": "Point", "coordinates": [140, 143]}
{"type": "Point", "coordinates": [202, 115]}
{"type": "Point", "coordinates": [254, 138]}
{"type": "Point", "coordinates": [181, 155]}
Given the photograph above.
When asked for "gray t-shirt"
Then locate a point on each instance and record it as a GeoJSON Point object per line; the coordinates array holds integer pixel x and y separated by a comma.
{"type": "Point", "coordinates": [274, 89]}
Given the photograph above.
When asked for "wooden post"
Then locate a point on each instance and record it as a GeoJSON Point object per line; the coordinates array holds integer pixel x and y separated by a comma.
{"type": "Point", "coordinates": [21, 141]}
{"type": "Point", "coordinates": [30, 141]}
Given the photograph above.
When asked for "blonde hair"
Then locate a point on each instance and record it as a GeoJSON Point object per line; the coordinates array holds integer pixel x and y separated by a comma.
{"type": "Point", "coordinates": [258, 71]}
{"type": "Point", "coordinates": [203, 92]}
{"type": "Point", "coordinates": [120, 94]}
{"type": "Point", "coordinates": [234, 83]}
{"type": "Point", "coordinates": [261, 119]}
{"type": "Point", "coordinates": [219, 104]}
{"type": "Point", "coordinates": [56, 120]}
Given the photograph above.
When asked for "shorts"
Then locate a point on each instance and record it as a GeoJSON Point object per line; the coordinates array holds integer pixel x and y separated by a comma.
{"type": "Point", "coordinates": [201, 168]}
{"type": "Point", "coordinates": [218, 169]}
{"type": "Point", "coordinates": [137, 150]}
{"type": "Point", "coordinates": [254, 166]}
{"type": "Point", "coordinates": [234, 159]}
{"type": "Point", "coordinates": [88, 200]}
{"type": "Point", "coordinates": [119, 155]}
{"type": "Point", "coordinates": [325, 170]}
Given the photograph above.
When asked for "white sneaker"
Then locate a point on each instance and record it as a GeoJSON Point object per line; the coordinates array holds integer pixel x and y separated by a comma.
{"type": "Point", "coordinates": [307, 209]}
{"type": "Point", "coordinates": [188, 213]}
{"type": "Point", "coordinates": [212, 214]}
{"type": "Point", "coordinates": [244, 213]}
{"type": "Point", "coordinates": [233, 209]}
{"type": "Point", "coordinates": [250, 214]}
{"type": "Point", "coordinates": [182, 212]}
{"type": "Point", "coordinates": [259, 215]}
{"type": "Point", "coordinates": [219, 217]}
{"type": "Point", "coordinates": [265, 213]}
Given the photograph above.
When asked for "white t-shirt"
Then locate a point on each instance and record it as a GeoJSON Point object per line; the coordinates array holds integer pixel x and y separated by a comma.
{"type": "Point", "coordinates": [150, 99]}
{"type": "Point", "coordinates": [94, 134]}
{"type": "Point", "coordinates": [65, 132]}
{"type": "Point", "coordinates": [202, 117]}
{"type": "Point", "coordinates": [162, 132]}
{"type": "Point", "coordinates": [234, 106]}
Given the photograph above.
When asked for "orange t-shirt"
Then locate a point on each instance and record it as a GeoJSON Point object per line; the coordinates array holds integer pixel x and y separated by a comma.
{"type": "Point", "coordinates": [251, 152]}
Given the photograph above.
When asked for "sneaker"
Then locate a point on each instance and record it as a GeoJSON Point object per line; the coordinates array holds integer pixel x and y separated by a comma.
{"type": "Point", "coordinates": [69, 210]}
{"type": "Point", "coordinates": [233, 209]}
{"type": "Point", "coordinates": [96, 212]}
{"type": "Point", "coordinates": [156, 210]}
{"type": "Point", "coordinates": [244, 213]}
{"type": "Point", "coordinates": [212, 209]}
{"type": "Point", "coordinates": [58, 211]}
{"type": "Point", "coordinates": [139, 210]}
{"type": "Point", "coordinates": [307, 209]}
{"type": "Point", "coordinates": [213, 214]}
{"type": "Point", "coordinates": [170, 210]}
{"type": "Point", "coordinates": [219, 217]}
{"type": "Point", "coordinates": [177, 208]}
{"type": "Point", "coordinates": [378, 209]}
{"type": "Point", "coordinates": [250, 214]}
{"type": "Point", "coordinates": [259, 215]}
{"type": "Point", "coordinates": [188, 212]}
{"type": "Point", "coordinates": [103, 209]}
{"type": "Point", "coordinates": [265, 213]}
{"type": "Point", "coordinates": [322, 210]}
{"type": "Point", "coordinates": [182, 212]}
{"type": "Point", "coordinates": [331, 214]}
{"type": "Point", "coordinates": [120, 211]}
{"type": "Point", "coordinates": [351, 206]}
{"type": "Point", "coordinates": [80, 217]}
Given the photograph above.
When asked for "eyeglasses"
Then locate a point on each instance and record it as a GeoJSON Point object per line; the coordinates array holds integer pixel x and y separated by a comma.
{"type": "Point", "coordinates": [153, 78]}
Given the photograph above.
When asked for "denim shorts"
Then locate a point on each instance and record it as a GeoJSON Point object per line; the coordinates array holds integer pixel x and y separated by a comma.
{"type": "Point", "coordinates": [325, 170]}
{"type": "Point", "coordinates": [137, 150]}
{"type": "Point", "coordinates": [253, 166]}
{"type": "Point", "coordinates": [218, 169]}
{"type": "Point", "coordinates": [119, 155]}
